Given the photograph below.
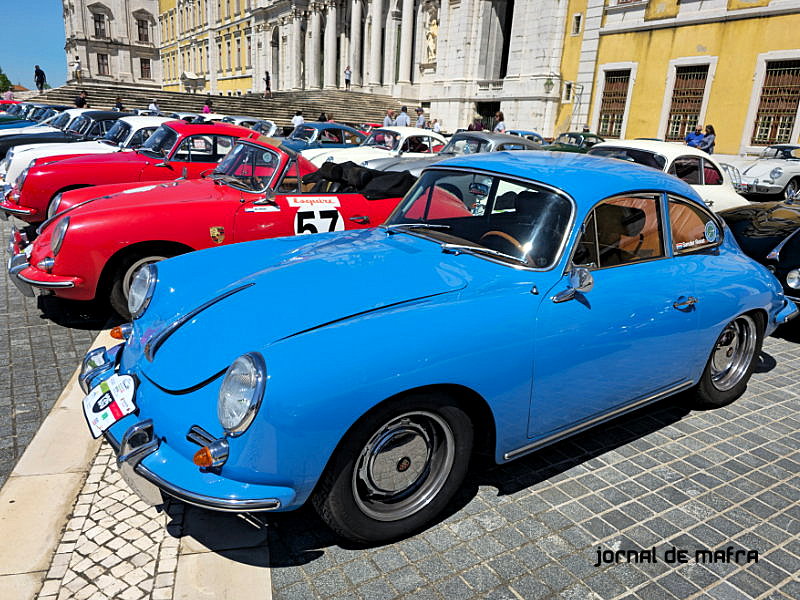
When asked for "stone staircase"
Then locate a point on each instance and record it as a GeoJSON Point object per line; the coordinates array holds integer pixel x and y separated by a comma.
{"type": "Point", "coordinates": [348, 107]}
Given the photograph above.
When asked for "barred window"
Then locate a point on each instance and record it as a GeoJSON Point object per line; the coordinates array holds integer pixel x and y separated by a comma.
{"type": "Point", "coordinates": [687, 100]}
{"type": "Point", "coordinates": [144, 30]}
{"type": "Point", "coordinates": [777, 108]}
{"type": "Point", "coordinates": [99, 26]}
{"type": "Point", "coordinates": [145, 66]}
{"type": "Point", "coordinates": [612, 106]}
{"type": "Point", "coordinates": [102, 65]}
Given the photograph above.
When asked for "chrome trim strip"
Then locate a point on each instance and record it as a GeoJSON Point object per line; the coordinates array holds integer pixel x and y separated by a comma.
{"type": "Point", "coordinates": [17, 211]}
{"type": "Point", "coordinates": [199, 436]}
{"type": "Point", "coordinates": [219, 504]}
{"type": "Point", "coordinates": [775, 253]}
{"type": "Point", "coordinates": [50, 285]}
{"type": "Point", "coordinates": [155, 342]}
{"type": "Point", "coordinates": [597, 420]}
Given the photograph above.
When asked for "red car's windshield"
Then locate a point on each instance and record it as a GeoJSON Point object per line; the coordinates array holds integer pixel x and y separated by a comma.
{"type": "Point", "coordinates": [248, 166]}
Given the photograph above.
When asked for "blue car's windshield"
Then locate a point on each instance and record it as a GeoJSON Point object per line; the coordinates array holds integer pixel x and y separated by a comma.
{"type": "Point", "coordinates": [488, 215]}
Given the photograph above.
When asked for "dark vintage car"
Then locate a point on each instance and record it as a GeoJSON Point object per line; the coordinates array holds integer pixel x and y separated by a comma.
{"type": "Point", "coordinates": [769, 232]}
{"type": "Point", "coordinates": [91, 125]}
{"type": "Point", "coordinates": [574, 141]}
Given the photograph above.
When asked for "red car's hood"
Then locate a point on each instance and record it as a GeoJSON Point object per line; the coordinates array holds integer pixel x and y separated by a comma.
{"type": "Point", "coordinates": [104, 161]}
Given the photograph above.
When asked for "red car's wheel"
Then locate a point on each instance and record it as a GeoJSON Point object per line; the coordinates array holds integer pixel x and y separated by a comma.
{"type": "Point", "coordinates": [122, 277]}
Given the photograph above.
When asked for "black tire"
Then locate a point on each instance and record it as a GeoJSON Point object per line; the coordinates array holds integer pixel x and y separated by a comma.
{"type": "Point", "coordinates": [121, 278]}
{"type": "Point", "coordinates": [732, 361]}
{"type": "Point", "coordinates": [349, 496]}
{"type": "Point", "coordinates": [791, 188]}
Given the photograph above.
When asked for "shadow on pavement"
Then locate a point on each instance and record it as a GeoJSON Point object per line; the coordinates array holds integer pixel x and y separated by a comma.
{"type": "Point", "coordinates": [76, 315]}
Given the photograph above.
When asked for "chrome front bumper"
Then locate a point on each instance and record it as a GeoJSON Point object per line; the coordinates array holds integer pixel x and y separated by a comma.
{"type": "Point", "coordinates": [16, 264]}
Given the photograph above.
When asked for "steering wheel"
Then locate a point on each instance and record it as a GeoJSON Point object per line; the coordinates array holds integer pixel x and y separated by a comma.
{"type": "Point", "coordinates": [509, 238]}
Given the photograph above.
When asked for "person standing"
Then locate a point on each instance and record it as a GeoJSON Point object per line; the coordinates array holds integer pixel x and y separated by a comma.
{"type": "Point", "coordinates": [40, 78]}
{"type": "Point", "coordinates": [81, 101]}
{"type": "Point", "coordinates": [207, 107]}
{"type": "Point", "coordinates": [348, 74]}
{"type": "Point", "coordinates": [388, 120]}
{"type": "Point", "coordinates": [322, 117]}
{"type": "Point", "coordinates": [420, 117]}
{"type": "Point", "coordinates": [76, 69]}
{"type": "Point", "coordinates": [709, 140]}
{"type": "Point", "coordinates": [693, 138]}
{"type": "Point", "coordinates": [298, 119]}
{"type": "Point", "coordinates": [437, 128]}
{"type": "Point", "coordinates": [153, 106]}
{"type": "Point", "coordinates": [118, 106]}
{"type": "Point", "coordinates": [267, 85]}
{"type": "Point", "coordinates": [500, 124]}
{"type": "Point", "coordinates": [403, 119]}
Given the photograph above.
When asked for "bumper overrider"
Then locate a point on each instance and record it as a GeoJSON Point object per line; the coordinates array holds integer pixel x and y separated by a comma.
{"type": "Point", "coordinates": [151, 468]}
{"type": "Point", "coordinates": [26, 276]}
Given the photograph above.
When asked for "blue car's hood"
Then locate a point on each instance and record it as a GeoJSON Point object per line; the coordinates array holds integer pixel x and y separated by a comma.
{"type": "Point", "coordinates": [297, 284]}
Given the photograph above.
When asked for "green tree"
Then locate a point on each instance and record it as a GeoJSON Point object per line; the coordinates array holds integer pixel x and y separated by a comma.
{"type": "Point", "coordinates": [5, 82]}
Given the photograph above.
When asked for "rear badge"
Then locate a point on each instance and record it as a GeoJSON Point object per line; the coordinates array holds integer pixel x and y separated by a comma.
{"type": "Point", "coordinates": [217, 234]}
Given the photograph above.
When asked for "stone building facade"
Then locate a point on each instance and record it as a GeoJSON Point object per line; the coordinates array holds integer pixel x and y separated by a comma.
{"type": "Point", "coordinates": [116, 40]}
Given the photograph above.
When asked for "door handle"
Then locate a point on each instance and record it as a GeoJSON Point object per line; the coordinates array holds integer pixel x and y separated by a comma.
{"type": "Point", "coordinates": [684, 303]}
{"type": "Point", "coordinates": [360, 219]}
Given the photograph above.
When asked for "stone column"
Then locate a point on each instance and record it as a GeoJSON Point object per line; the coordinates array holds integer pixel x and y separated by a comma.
{"type": "Point", "coordinates": [330, 47]}
{"type": "Point", "coordinates": [376, 43]}
{"type": "Point", "coordinates": [406, 41]}
{"type": "Point", "coordinates": [312, 56]}
{"type": "Point", "coordinates": [295, 58]}
{"type": "Point", "coordinates": [355, 42]}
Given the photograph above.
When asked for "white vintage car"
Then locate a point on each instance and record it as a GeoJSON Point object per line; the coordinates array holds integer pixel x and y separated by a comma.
{"type": "Point", "coordinates": [776, 171]}
{"type": "Point", "coordinates": [126, 133]}
{"type": "Point", "coordinates": [384, 142]}
{"type": "Point", "coordinates": [714, 181]}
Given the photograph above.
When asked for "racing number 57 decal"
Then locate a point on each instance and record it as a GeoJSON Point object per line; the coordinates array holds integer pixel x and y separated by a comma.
{"type": "Point", "coordinates": [316, 214]}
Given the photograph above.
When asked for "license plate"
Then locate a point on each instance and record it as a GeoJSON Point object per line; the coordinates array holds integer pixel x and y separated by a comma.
{"type": "Point", "coordinates": [109, 402]}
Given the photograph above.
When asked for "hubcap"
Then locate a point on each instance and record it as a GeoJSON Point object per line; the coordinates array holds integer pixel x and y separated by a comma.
{"type": "Point", "coordinates": [403, 466]}
{"type": "Point", "coordinates": [791, 189]}
{"type": "Point", "coordinates": [733, 353]}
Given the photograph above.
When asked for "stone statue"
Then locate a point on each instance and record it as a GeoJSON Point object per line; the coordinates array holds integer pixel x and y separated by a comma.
{"type": "Point", "coordinates": [431, 36]}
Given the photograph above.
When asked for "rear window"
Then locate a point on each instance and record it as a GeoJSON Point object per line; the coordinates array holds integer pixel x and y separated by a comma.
{"type": "Point", "coordinates": [640, 157]}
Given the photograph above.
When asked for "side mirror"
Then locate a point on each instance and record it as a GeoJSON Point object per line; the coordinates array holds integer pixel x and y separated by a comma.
{"type": "Point", "coordinates": [580, 280]}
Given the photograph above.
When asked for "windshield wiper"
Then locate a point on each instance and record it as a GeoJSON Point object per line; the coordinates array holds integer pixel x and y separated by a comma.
{"type": "Point", "coordinates": [227, 178]}
{"type": "Point", "coordinates": [456, 248]}
{"type": "Point", "coordinates": [395, 226]}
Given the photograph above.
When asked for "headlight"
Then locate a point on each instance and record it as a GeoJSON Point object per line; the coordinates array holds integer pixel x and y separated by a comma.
{"type": "Point", "coordinates": [241, 392]}
{"type": "Point", "coordinates": [793, 279]}
{"type": "Point", "coordinates": [775, 173]}
{"type": "Point", "coordinates": [52, 210]}
{"type": "Point", "coordinates": [22, 176]}
{"type": "Point", "coordinates": [59, 232]}
{"type": "Point", "coordinates": [143, 285]}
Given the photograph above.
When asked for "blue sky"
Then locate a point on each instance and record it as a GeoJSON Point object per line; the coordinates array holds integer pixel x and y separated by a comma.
{"type": "Point", "coordinates": [32, 33]}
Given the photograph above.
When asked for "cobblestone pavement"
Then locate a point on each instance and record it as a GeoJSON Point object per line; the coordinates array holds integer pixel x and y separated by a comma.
{"type": "Point", "coordinates": [38, 355]}
{"type": "Point", "coordinates": [664, 477]}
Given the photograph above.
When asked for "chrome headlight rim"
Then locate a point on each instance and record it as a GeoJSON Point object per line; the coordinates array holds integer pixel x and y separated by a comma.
{"type": "Point", "coordinates": [145, 277]}
{"type": "Point", "coordinates": [776, 173]}
{"type": "Point", "coordinates": [22, 176]}
{"type": "Point", "coordinates": [258, 369]}
{"type": "Point", "coordinates": [59, 233]}
{"type": "Point", "coordinates": [52, 210]}
{"type": "Point", "coordinates": [793, 279]}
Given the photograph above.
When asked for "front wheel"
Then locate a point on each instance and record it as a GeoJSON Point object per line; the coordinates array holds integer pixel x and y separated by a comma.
{"type": "Point", "coordinates": [791, 189]}
{"type": "Point", "coordinates": [122, 277]}
{"type": "Point", "coordinates": [732, 361]}
{"type": "Point", "coordinates": [396, 469]}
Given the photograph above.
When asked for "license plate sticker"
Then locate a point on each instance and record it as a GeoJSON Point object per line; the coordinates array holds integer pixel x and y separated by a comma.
{"type": "Point", "coordinates": [109, 402]}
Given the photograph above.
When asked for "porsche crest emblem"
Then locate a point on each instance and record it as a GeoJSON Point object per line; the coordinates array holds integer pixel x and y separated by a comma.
{"type": "Point", "coordinates": [217, 234]}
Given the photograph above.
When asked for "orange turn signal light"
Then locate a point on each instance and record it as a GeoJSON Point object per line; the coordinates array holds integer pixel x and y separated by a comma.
{"type": "Point", "coordinates": [116, 333]}
{"type": "Point", "coordinates": [203, 458]}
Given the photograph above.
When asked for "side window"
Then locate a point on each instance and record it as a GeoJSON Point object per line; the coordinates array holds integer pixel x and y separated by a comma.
{"type": "Point", "coordinates": [711, 175]}
{"type": "Point", "coordinates": [621, 231]}
{"type": "Point", "coordinates": [688, 169]}
{"type": "Point", "coordinates": [196, 148]}
{"type": "Point", "coordinates": [140, 137]}
{"type": "Point", "coordinates": [415, 143]}
{"type": "Point", "coordinates": [224, 145]}
{"type": "Point", "coordinates": [351, 138]}
{"type": "Point", "coordinates": [290, 181]}
{"type": "Point", "coordinates": [96, 129]}
{"type": "Point", "coordinates": [692, 227]}
{"type": "Point", "coordinates": [330, 136]}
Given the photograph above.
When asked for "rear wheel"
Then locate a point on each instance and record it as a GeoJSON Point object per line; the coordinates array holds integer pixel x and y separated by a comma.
{"type": "Point", "coordinates": [122, 277]}
{"type": "Point", "coordinates": [732, 361]}
{"type": "Point", "coordinates": [396, 469]}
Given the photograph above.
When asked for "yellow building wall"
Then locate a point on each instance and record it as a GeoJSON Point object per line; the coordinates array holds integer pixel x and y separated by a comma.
{"type": "Point", "coordinates": [661, 9]}
{"type": "Point", "coordinates": [569, 61]}
{"type": "Point", "coordinates": [737, 45]}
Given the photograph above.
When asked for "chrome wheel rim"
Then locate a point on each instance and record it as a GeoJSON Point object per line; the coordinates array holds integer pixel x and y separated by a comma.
{"type": "Point", "coordinates": [791, 189]}
{"type": "Point", "coordinates": [733, 353]}
{"type": "Point", "coordinates": [403, 466]}
{"type": "Point", "coordinates": [126, 280]}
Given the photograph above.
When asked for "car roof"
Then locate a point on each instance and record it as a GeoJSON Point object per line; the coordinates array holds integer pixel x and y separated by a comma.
{"type": "Point", "coordinates": [492, 137]}
{"type": "Point", "coordinates": [574, 173]}
{"type": "Point", "coordinates": [139, 121]}
{"type": "Point", "coordinates": [185, 128]}
{"type": "Point", "coordinates": [669, 150]}
{"type": "Point", "coordinates": [407, 130]}
{"type": "Point", "coordinates": [241, 117]}
{"type": "Point", "coordinates": [106, 114]}
{"type": "Point", "coordinates": [784, 146]}
{"type": "Point", "coordinates": [329, 125]}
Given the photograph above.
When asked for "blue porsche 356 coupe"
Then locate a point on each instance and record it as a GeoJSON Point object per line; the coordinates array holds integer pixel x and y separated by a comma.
{"type": "Point", "coordinates": [511, 299]}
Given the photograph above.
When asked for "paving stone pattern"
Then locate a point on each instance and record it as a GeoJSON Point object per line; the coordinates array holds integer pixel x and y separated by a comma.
{"type": "Point", "coordinates": [37, 358]}
{"type": "Point", "coordinates": [662, 477]}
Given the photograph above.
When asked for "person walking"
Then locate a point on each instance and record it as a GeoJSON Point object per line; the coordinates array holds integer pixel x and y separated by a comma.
{"type": "Point", "coordinates": [500, 124]}
{"type": "Point", "coordinates": [709, 140]}
{"type": "Point", "coordinates": [420, 117]}
{"type": "Point", "coordinates": [403, 119]}
{"type": "Point", "coordinates": [207, 106]}
{"type": "Point", "coordinates": [694, 138]}
{"type": "Point", "coordinates": [76, 69]}
{"type": "Point", "coordinates": [118, 105]}
{"type": "Point", "coordinates": [81, 100]}
{"type": "Point", "coordinates": [39, 77]}
{"type": "Point", "coordinates": [388, 120]}
{"type": "Point", "coordinates": [153, 106]}
{"type": "Point", "coordinates": [348, 75]}
{"type": "Point", "coordinates": [298, 119]}
{"type": "Point", "coordinates": [267, 85]}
